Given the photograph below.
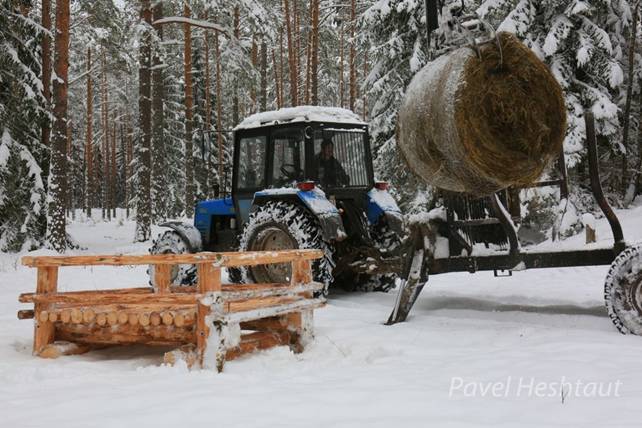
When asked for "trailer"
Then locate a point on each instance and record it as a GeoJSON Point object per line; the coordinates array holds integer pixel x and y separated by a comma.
{"type": "Point", "coordinates": [465, 222]}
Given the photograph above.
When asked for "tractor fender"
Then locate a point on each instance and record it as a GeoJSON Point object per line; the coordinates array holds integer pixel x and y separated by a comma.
{"type": "Point", "coordinates": [380, 203]}
{"type": "Point", "coordinates": [315, 202]}
{"type": "Point", "coordinates": [188, 233]}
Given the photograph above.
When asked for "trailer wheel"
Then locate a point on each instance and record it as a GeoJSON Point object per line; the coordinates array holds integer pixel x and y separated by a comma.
{"type": "Point", "coordinates": [279, 226]}
{"type": "Point", "coordinates": [623, 291]}
{"type": "Point", "coordinates": [171, 242]}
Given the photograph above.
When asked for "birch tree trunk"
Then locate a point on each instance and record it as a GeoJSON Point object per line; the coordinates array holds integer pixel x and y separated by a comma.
{"type": "Point", "coordinates": [208, 118]}
{"type": "Point", "coordinates": [113, 175]}
{"type": "Point", "coordinates": [70, 183]}
{"type": "Point", "coordinates": [277, 84]}
{"type": "Point", "coordinates": [263, 75]}
{"type": "Point", "coordinates": [46, 69]}
{"type": "Point", "coordinates": [353, 54]}
{"type": "Point", "coordinates": [292, 62]}
{"type": "Point", "coordinates": [89, 136]}
{"type": "Point", "coordinates": [629, 94]}
{"type": "Point", "coordinates": [158, 187]}
{"type": "Point", "coordinates": [341, 68]}
{"type": "Point", "coordinates": [235, 98]}
{"type": "Point", "coordinates": [365, 76]}
{"type": "Point", "coordinates": [56, 228]}
{"type": "Point", "coordinates": [104, 110]}
{"type": "Point", "coordinates": [308, 65]}
{"type": "Point", "coordinates": [143, 209]}
{"type": "Point", "coordinates": [281, 69]}
{"type": "Point", "coordinates": [128, 168]}
{"type": "Point", "coordinates": [314, 78]}
{"type": "Point", "coordinates": [219, 117]}
{"type": "Point", "coordinates": [255, 63]}
{"type": "Point", "coordinates": [189, 157]}
{"type": "Point", "coordinates": [635, 181]}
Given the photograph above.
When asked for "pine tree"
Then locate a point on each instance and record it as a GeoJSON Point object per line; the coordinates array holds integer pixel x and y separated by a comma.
{"type": "Point", "coordinates": [159, 155]}
{"type": "Point", "coordinates": [396, 36]}
{"type": "Point", "coordinates": [56, 226]}
{"type": "Point", "coordinates": [143, 212]}
{"type": "Point", "coordinates": [23, 159]}
{"type": "Point", "coordinates": [583, 43]}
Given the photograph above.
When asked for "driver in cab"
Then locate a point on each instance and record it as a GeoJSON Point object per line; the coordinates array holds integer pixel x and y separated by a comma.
{"type": "Point", "coordinates": [328, 171]}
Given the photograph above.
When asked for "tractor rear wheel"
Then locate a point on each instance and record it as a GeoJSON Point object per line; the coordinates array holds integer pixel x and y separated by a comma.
{"type": "Point", "coordinates": [623, 291]}
{"type": "Point", "coordinates": [281, 226]}
{"type": "Point", "coordinates": [171, 242]}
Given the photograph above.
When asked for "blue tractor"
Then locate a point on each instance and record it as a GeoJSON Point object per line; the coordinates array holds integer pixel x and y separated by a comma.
{"type": "Point", "coordinates": [302, 178]}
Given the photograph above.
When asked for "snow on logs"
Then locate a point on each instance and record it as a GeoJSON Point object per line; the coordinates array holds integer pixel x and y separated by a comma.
{"type": "Point", "coordinates": [481, 125]}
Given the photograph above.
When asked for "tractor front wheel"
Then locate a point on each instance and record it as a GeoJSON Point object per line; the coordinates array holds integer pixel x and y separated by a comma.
{"type": "Point", "coordinates": [388, 243]}
{"type": "Point", "coordinates": [623, 291]}
{"type": "Point", "coordinates": [282, 226]}
{"type": "Point", "coordinates": [171, 242]}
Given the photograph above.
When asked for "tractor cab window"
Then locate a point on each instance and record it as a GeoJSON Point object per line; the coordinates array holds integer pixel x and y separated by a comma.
{"type": "Point", "coordinates": [252, 163]}
{"type": "Point", "coordinates": [289, 149]}
{"type": "Point", "coordinates": [340, 158]}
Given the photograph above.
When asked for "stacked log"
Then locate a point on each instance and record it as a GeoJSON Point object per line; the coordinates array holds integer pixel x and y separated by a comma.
{"type": "Point", "coordinates": [479, 124]}
{"type": "Point", "coordinates": [180, 318]}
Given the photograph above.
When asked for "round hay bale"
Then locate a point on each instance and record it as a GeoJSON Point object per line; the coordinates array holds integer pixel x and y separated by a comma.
{"type": "Point", "coordinates": [481, 125]}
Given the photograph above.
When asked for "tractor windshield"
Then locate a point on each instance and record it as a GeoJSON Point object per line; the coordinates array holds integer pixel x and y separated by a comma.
{"type": "Point", "coordinates": [289, 150]}
{"type": "Point", "coordinates": [340, 158]}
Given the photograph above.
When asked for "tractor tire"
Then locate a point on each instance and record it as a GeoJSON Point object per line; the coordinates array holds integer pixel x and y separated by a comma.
{"type": "Point", "coordinates": [623, 291]}
{"type": "Point", "coordinates": [279, 226]}
{"type": "Point", "coordinates": [234, 275]}
{"type": "Point", "coordinates": [171, 242]}
{"type": "Point", "coordinates": [388, 243]}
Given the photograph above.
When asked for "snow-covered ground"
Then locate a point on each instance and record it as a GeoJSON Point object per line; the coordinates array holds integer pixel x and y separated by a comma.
{"type": "Point", "coordinates": [476, 351]}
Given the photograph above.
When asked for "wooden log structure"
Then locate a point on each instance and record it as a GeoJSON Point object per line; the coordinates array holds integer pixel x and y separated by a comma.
{"type": "Point", "coordinates": [209, 323]}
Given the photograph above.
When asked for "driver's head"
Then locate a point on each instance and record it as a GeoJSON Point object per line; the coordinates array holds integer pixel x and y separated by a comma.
{"type": "Point", "coordinates": [327, 149]}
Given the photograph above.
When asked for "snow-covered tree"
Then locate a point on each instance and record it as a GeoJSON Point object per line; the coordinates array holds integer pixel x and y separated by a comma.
{"type": "Point", "coordinates": [583, 42]}
{"type": "Point", "coordinates": [394, 32]}
{"type": "Point", "coordinates": [22, 157]}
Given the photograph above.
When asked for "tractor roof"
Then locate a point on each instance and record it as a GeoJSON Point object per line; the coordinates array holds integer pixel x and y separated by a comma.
{"type": "Point", "coordinates": [301, 114]}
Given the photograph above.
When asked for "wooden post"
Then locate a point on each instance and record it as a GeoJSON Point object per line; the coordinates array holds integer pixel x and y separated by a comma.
{"type": "Point", "coordinates": [300, 324]}
{"type": "Point", "coordinates": [209, 284]}
{"type": "Point", "coordinates": [590, 234]}
{"type": "Point", "coordinates": [301, 272]}
{"type": "Point", "coordinates": [162, 278]}
{"type": "Point", "coordinates": [588, 220]}
{"type": "Point", "coordinates": [44, 331]}
{"type": "Point", "coordinates": [209, 278]}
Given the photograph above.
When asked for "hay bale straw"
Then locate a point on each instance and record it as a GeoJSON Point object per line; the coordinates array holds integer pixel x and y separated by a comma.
{"type": "Point", "coordinates": [479, 126]}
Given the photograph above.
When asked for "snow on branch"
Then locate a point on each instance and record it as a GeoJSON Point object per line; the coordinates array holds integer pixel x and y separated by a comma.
{"type": "Point", "coordinates": [194, 22]}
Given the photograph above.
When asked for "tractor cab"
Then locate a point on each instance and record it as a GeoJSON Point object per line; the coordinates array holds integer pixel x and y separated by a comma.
{"type": "Point", "coordinates": [301, 149]}
{"type": "Point", "coordinates": [302, 178]}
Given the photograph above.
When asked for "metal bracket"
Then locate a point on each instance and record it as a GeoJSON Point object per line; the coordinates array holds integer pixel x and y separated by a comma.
{"type": "Point", "coordinates": [596, 185]}
{"type": "Point", "coordinates": [501, 273]}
